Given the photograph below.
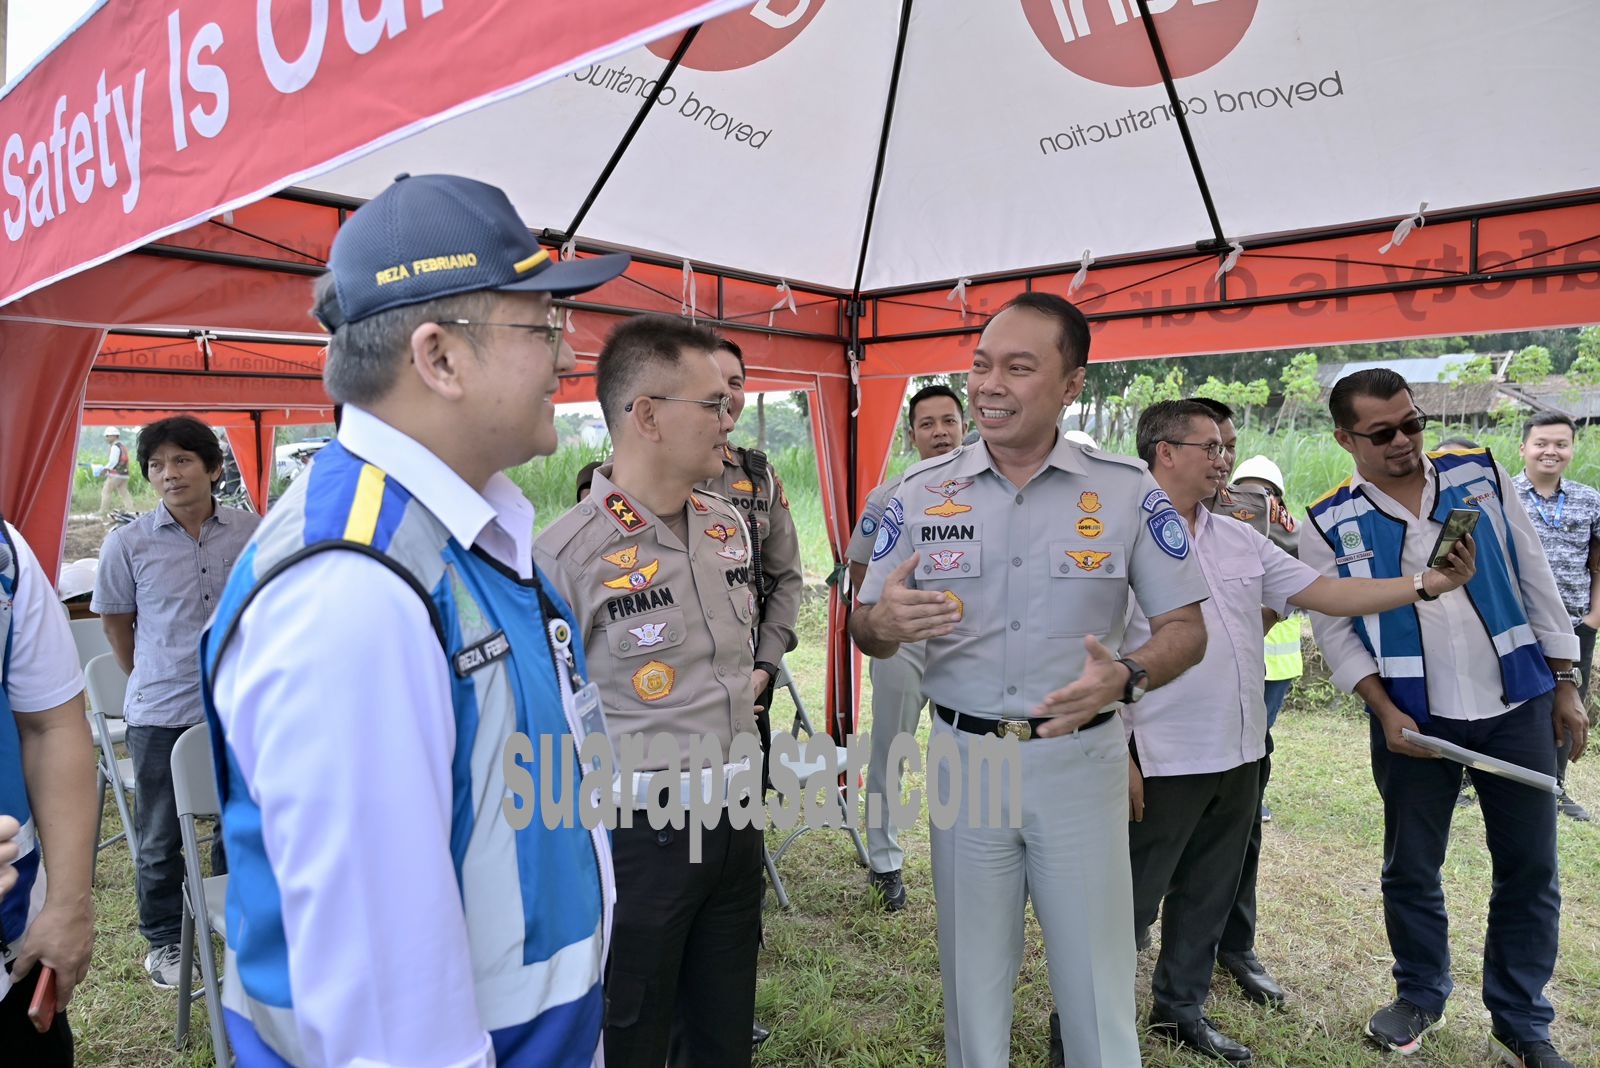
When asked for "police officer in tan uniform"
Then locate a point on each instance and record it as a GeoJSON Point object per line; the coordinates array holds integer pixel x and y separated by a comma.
{"type": "Point", "coordinates": [1014, 559]}
{"type": "Point", "coordinates": [749, 481]}
{"type": "Point", "coordinates": [658, 576]}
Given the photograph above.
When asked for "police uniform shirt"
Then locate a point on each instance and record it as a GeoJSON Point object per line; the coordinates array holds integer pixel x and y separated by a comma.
{"type": "Point", "coordinates": [1034, 570]}
{"type": "Point", "coordinates": [666, 626]}
{"type": "Point", "coordinates": [780, 551]}
{"type": "Point", "coordinates": [1261, 511]}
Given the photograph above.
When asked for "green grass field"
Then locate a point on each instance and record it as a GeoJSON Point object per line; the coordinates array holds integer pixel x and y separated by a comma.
{"type": "Point", "coordinates": [844, 984]}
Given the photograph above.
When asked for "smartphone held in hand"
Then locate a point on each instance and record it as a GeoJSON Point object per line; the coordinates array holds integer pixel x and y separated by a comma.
{"type": "Point", "coordinates": [42, 1009]}
{"type": "Point", "coordinates": [1457, 525]}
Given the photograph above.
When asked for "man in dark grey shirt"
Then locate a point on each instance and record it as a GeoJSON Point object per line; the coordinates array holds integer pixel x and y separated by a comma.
{"type": "Point", "coordinates": [159, 580]}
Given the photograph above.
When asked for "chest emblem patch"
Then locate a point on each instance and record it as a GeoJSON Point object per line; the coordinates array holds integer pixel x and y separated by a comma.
{"type": "Point", "coordinates": [1089, 501]}
{"type": "Point", "coordinates": [654, 681]}
{"type": "Point", "coordinates": [649, 634]}
{"type": "Point", "coordinates": [946, 559]}
{"type": "Point", "coordinates": [1088, 559]}
{"type": "Point", "coordinates": [1090, 527]}
{"type": "Point", "coordinates": [948, 489]}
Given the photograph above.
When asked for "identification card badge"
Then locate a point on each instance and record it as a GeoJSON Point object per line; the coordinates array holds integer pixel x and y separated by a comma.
{"type": "Point", "coordinates": [591, 716]}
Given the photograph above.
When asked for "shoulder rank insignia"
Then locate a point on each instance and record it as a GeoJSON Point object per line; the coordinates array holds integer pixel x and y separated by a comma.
{"type": "Point", "coordinates": [624, 512]}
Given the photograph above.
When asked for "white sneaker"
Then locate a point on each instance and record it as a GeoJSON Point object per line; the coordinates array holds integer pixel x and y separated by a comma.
{"type": "Point", "coordinates": [162, 964]}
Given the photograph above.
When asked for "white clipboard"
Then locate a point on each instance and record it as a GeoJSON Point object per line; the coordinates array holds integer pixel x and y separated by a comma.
{"type": "Point", "coordinates": [1481, 762]}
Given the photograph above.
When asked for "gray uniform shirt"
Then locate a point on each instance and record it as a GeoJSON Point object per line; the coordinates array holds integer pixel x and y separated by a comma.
{"type": "Point", "coordinates": [170, 582]}
{"type": "Point", "coordinates": [1033, 569]}
{"type": "Point", "coordinates": [865, 536]}
{"type": "Point", "coordinates": [666, 626]}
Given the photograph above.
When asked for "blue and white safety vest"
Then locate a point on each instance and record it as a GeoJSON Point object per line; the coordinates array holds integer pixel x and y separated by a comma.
{"type": "Point", "coordinates": [13, 790]}
{"type": "Point", "coordinates": [538, 984]}
{"type": "Point", "coordinates": [1367, 543]}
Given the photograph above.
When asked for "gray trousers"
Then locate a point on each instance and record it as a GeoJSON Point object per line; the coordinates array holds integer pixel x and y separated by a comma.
{"type": "Point", "coordinates": [1188, 852]}
{"type": "Point", "coordinates": [896, 709]}
{"type": "Point", "coordinates": [1070, 856]}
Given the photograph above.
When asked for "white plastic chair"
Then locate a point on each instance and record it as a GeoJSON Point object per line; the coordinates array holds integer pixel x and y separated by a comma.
{"type": "Point", "coordinates": [812, 770]}
{"type": "Point", "coordinates": [108, 689]}
{"type": "Point", "coordinates": [90, 638]}
{"type": "Point", "coordinates": [194, 787]}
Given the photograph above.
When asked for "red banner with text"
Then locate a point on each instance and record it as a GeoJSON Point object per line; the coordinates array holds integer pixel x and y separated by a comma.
{"type": "Point", "coordinates": [156, 114]}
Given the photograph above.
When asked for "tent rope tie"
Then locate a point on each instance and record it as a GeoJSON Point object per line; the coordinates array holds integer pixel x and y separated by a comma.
{"type": "Point", "coordinates": [785, 297]}
{"type": "Point", "coordinates": [855, 383]}
{"type": "Point", "coordinates": [687, 297]}
{"type": "Point", "coordinates": [202, 344]}
{"type": "Point", "coordinates": [1083, 273]}
{"type": "Point", "coordinates": [960, 293]}
{"type": "Point", "coordinates": [1403, 228]}
{"type": "Point", "coordinates": [1230, 261]}
{"type": "Point", "coordinates": [569, 249]}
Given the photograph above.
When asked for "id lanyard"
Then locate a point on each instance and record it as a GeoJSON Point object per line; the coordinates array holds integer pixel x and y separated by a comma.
{"type": "Point", "coordinates": [1561, 503]}
{"type": "Point", "coordinates": [580, 698]}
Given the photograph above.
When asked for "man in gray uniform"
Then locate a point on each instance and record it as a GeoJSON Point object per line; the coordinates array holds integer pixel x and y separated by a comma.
{"type": "Point", "coordinates": [934, 420]}
{"type": "Point", "coordinates": [1013, 558]}
{"type": "Point", "coordinates": [658, 577]}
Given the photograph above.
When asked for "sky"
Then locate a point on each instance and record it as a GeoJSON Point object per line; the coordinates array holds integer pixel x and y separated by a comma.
{"type": "Point", "coordinates": [34, 25]}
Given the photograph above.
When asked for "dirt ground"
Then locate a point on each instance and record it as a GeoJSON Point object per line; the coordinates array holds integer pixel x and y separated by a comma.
{"type": "Point", "coordinates": [84, 535]}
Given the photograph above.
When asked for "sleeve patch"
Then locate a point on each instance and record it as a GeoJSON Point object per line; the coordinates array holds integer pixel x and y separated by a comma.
{"type": "Point", "coordinates": [1167, 529]}
{"type": "Point", "coordinates": [1155, 500]}
{"type": "Point", "coordinates": [889, 530]}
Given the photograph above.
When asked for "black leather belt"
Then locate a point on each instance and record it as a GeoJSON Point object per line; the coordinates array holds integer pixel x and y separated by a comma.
{"type": "Point", "coordinates": [1024, 729]}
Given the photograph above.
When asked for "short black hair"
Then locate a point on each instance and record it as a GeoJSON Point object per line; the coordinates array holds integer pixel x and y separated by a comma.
{"type": "Point", "coordinates": [938, 389]}
{"type": "Point", "coordinates": [1379, 383]}
{"type": "Point", "coordinates": [1548, 419]}
{"type": "Point", "coordinates": [1219, 411]}
{"type": "Point", "coordinates": [1163, 421]}
{"type": "Point", "coordinates": [188, 434]}
{"type": "Point", "coordinates": [1074, 327]}
{"type": "Point", "coordinates": [1461, 443]}
{"type": "Point", "coordinates": [638, 347]}
{"type": "Point", "coordinates": [724, 345]}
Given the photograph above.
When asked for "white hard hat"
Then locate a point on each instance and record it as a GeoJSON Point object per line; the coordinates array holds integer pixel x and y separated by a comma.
{"type": "Point", "coordinates": [1080, 437]}
{"type": "Point", "coordinates": [77, 578]}
{"type": "Point", "coordinates": [113, 432]}
{"type": "Point", "coordinates": [1260, 467]}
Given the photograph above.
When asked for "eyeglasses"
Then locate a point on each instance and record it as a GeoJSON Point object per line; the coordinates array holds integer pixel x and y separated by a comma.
{"type": "Point", "coordinates": [1410, 428]}
{"type": "Point", "coordinates": [720, 405]}
{"type": "Point", "coordinates": [553, 329]}
{"type": "Point", "coordinates": [1213, 449]}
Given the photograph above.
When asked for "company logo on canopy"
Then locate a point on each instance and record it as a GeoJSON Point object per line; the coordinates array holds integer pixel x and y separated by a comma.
{"type": "Point", "coordinates": [1106, 41]}
{"type": "Point", "coordinates": [743, 39]}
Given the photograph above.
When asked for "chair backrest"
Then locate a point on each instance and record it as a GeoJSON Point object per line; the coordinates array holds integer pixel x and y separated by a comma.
{"type": "Point", "coordinates": [89, 635]}
{"type": "Point", "coordinates": [194, 776]}
{"type": "Point", "coordinates": [107, 685]}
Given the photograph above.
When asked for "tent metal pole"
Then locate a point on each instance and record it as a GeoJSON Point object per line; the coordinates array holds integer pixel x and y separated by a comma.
{"type": "Point", "coordinates": [633, 130]}
{"type": "Point", "coordinates": [883, 147]}
{"type": "Point", "coordinates": [1182, 119]}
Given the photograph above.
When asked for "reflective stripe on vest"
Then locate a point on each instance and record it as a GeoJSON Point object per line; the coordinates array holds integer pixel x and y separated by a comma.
{"type": "Point", "coordinates": [1284, 660]}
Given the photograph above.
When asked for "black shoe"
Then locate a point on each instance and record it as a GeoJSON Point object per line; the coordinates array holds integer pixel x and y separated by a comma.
{"type": "Point", "coordinates": [1540, 1054]}
{"type": "Point", "coordinates": [1253, 978]}
{"type": "Point", "coordinates": [1266, 813]}
{"type": "Point", "coordinates": [758, 1035]}
{"type": "Point", "coordinates": [1203, 1037]}
{"type": "Point", "coordinates": [1400, 1026]}
{"type": "Point", "coordinates": [1058, 1052]}
{"type": "Point", "coordinates": [889, 889]}
{"type": "Point", "coordinates": [1570, 808]}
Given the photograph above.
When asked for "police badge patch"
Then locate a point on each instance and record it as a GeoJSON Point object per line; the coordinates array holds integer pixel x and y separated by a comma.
{"type": "Point", "coordinates": [1167, 529]}
{"type": "Point", "coordinates": [889, 529]}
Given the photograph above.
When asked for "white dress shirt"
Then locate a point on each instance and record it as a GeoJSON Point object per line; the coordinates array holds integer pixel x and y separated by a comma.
{"type": "Point", "coordinates": [337, 705]}
{"type": "Point", "coordinates": [1463, 669]}
{"type": "Point", "coordinates": [1213, 717]}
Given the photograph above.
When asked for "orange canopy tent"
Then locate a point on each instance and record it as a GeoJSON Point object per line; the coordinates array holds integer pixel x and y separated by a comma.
{"type": "Point", "coordinates": [847, 189]}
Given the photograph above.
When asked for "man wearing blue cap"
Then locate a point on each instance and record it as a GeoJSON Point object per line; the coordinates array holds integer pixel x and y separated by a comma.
{"type": "Point", "coordinates": [378, 643]}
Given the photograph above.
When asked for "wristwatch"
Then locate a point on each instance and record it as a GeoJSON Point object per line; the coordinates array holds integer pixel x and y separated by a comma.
{"type": "Point", "coordinates": [1422, 591]}
{"type": "Point", "coordinates": [1572, 675]}
{"type": "Point", "coordinates": [1137, 677]}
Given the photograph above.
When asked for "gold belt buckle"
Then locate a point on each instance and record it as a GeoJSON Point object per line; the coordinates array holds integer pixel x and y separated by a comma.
{"type": "Point", "coordinates": [1019, 727]}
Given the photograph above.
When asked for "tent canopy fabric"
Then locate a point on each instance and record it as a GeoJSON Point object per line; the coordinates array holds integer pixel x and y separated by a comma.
{"type": "Point", "coordinates": [848, 188]}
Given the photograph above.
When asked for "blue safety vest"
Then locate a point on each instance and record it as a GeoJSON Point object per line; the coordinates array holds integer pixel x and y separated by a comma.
{"type": "Point", "coordinates": [1367, 542]}
{"type": "Point", "coordinates": [538, 984]}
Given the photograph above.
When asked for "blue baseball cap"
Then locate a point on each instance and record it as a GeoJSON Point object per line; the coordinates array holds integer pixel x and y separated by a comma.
{"type": "Point", "coordinates": [436, 235]}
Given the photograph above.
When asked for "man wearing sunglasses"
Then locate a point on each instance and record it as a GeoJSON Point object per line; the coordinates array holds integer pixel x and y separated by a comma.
{"type": "Point", "coordinates": [1491, 671]}
{"type": "Point", "coordinates": [658, 574]}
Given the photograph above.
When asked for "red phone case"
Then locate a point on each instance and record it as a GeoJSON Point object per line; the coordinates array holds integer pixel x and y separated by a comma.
{"type": "Point", "coordinates": [42, 1009]}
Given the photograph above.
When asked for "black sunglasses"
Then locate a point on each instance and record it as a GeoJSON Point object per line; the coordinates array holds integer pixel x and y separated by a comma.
{"type": "Point", "coordinates": [1410, 428]}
